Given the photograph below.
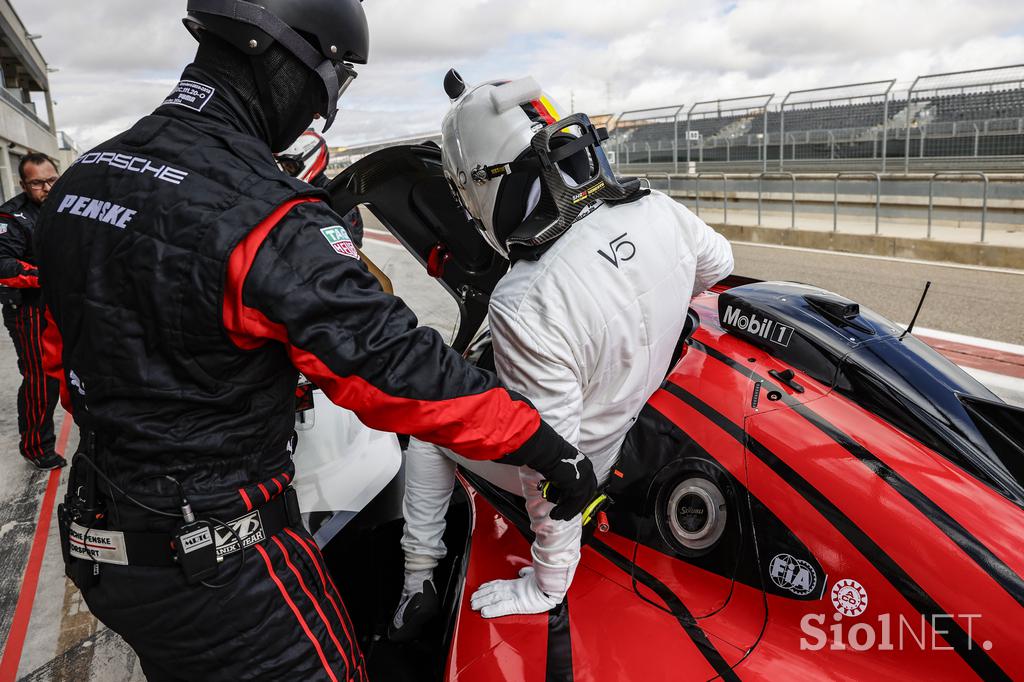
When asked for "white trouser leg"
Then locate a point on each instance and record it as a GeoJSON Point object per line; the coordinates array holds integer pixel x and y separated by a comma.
{"type": "Point", "coordinates": [429, 480]}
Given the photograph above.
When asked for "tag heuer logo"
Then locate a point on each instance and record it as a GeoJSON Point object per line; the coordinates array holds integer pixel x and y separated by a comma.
{"type": "Point", "coordinates": [339, 240]}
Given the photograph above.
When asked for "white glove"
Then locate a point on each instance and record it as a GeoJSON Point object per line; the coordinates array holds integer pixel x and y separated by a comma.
{"type": "Point", "coordinates": [508, 597]}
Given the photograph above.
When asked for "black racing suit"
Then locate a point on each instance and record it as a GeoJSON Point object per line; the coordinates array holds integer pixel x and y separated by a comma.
{"type": "Point", "coordinates": [24, 319]}
{"type": "Point", "coordinates": [191, 280]}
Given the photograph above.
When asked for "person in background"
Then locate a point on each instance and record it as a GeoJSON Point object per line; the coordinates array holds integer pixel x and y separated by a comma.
{"type": "Point", "coordinates": [307, 160]}
{"type": "Point", "coordinates": [23, 311]}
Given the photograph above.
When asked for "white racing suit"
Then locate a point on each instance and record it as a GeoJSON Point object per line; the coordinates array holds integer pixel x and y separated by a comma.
{"type": "Point", "coordinates": [587, 333]}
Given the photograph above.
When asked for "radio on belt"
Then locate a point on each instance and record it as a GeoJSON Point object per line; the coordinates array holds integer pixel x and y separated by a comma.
{"type": "Point", "coordinates": [196, 552]}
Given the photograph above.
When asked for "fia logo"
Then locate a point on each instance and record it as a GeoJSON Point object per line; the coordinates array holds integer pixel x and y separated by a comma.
{"type": "Point", "coordinates": [792, 574]}
{"type": "Point", "coordinates": [621, 250]}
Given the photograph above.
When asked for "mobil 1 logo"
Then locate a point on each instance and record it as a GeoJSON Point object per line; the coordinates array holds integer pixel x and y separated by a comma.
{"type": "Point", "coordinates": [751, 323]}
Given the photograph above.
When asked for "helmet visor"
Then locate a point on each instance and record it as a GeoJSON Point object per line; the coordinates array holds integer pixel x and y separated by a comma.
{"type": "Point", "coordinates": [346, 74]}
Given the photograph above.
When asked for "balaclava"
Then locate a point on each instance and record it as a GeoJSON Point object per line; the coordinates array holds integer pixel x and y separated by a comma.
{"type": "Point", "coordinates": [277, 90]}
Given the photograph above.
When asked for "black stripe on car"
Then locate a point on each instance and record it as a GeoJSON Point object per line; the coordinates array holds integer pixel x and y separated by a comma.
{"type": "Point", "coordinates": [971, 653]}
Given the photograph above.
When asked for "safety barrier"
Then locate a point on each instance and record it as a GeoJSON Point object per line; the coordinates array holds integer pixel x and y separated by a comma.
{"type": "Point", "coordinates": [778, 175]}
{"type": "Point", "coordinates": [835, 196]}
{"type": "Point", "coordinates": [836, 179]}
{"type": "Point", "coordinates": [725, 197]}
{"type": "Point", "coordinates": [961, 174]}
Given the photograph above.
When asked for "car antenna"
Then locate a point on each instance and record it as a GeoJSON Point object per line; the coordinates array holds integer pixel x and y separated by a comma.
{"type": "Point", "coordinates": [913, 320]}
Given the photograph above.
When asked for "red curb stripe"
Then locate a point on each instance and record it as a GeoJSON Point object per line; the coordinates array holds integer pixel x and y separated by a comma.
{"type": "Point", "coordinates": [380, 237]}
{"type": "Point", "coordinates": [26, 596]}
{"type": "Point", "coordinates": [977, 357]}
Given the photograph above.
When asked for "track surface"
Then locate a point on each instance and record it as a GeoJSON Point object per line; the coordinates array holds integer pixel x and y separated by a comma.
{"type": "Point", "coordinates": [965, 300]}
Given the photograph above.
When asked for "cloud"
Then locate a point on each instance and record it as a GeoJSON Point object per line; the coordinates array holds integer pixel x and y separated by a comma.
{"type": "Point", "coordinates": [118, 58]}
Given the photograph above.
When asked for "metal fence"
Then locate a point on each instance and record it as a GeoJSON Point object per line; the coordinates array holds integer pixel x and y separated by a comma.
{"type": "Point", "coordinates": [734, 129]}
{"type": "Point", "coordinates": [646, 136]}
{"type": "Point", "coordinates": [751, 197]}
{"type": "Point", "coordinates": [842, 121]}
{"type": "Point", "coordinates": [963, 120]}
{"type": "Point", "coordinates": [965, 114]}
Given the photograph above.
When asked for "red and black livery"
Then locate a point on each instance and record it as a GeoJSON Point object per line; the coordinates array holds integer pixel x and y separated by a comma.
{"type": "Point", "coordinates": [812, 494]}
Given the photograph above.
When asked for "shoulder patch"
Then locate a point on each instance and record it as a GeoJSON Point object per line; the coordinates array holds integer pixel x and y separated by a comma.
{"type": "Point", "coordinates": [339, 240]}
{"type": "Point", "coordinates": [3, 228]}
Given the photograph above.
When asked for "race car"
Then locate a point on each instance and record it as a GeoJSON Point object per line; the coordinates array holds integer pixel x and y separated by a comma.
{"type": "Point", "coordinates": [812, 494]}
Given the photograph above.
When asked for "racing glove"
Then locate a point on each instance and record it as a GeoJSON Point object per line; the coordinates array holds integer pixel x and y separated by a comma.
{"type": "Point", "coordinates": [509, 597]}
{"type": "Point", "coordinates": [570, 482]}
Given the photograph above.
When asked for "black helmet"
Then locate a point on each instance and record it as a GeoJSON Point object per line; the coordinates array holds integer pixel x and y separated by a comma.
{"type": "Point", "coordinates": [325, 35]}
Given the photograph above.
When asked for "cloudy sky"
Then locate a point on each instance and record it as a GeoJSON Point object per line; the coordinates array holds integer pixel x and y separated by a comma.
{"type": "Point", "coordinates": [119, 58]}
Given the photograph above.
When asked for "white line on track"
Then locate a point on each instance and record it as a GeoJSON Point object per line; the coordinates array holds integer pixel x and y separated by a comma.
{"type": "Point", "coordinates": [1000, 346]}
{"type": "Point", "coordinates": [957, 266]}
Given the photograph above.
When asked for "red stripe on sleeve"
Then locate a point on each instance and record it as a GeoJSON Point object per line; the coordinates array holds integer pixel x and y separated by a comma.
{"type": "Point", "coordinates": [483, 426]}
{"type": "Point", "coordinates": [26, 280]}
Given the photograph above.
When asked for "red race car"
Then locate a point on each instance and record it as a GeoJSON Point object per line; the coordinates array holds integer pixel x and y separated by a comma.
{"type": "Point", "coordinates": [812, 494]}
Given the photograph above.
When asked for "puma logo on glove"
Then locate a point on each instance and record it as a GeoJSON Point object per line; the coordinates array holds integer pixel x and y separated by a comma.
{"type": "Point", "coordinates": [575, 464]}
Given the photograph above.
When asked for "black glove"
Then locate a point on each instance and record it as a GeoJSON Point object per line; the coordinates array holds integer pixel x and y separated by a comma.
{"type": "Point", "coordinates": [570, 482]}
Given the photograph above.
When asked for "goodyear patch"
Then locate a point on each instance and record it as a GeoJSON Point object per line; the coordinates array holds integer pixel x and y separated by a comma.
{"type": "Point", "coordinates": [339, 240]}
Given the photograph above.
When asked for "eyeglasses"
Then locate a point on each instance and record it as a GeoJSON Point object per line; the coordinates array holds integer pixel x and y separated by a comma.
{"type": "Point", "coordinates": [39, 184]}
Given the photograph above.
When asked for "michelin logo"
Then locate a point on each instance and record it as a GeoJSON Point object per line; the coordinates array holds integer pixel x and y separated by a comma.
{"type": "Point", "coordinates": [760, 326]}
{"type": "Point", "coordinates": [97, 209]}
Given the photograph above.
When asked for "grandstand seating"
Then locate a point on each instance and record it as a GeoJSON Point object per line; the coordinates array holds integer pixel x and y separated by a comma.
{"type": "Point", "coordinates": [830, 130]}
{"type": "Point", "coordinates": [936, 122]}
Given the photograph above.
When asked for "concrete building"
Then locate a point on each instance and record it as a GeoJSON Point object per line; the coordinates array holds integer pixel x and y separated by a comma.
{"type": "Point", "coordinates": [26, 107]}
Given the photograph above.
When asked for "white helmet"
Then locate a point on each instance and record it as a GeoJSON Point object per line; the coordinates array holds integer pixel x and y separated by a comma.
{"type": "Point", "coordinates": [307, 158]}
{"type": "Point", "coordinates": [522, 172]}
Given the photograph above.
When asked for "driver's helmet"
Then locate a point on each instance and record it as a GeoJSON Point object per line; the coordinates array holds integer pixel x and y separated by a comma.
{"type": "Point", "coordinates": [489, 124]}
{"type": "Point", "coordinates": [307, 158]}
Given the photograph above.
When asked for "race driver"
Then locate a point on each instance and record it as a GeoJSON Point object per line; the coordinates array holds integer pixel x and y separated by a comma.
{"type": "Point", "coordinates": [190, 280]}
{"type": "Point", "coordinates": [585, 323]}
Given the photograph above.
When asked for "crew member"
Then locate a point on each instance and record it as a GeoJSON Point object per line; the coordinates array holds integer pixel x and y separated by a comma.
{"type": "Point", "coordinates": [586, 322]}
{"type": "Point", "coordinates": [307, 160]}
{"type": "Point", "coordinates": [190, 280]}
{"type": "Point", "coordinates": [23, 310]}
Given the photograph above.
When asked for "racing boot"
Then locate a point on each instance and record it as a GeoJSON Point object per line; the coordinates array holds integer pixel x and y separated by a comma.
{"type": "Point", "coordinates": [51, 460]}
{"type": "Point", "coordinates": [415, 608]}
